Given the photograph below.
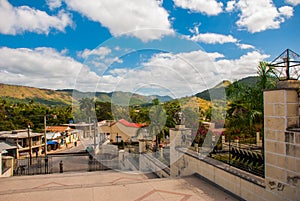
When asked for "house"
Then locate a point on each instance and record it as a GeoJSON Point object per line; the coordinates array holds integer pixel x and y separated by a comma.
{"type": "Point", "coordinates": [8, 149]}
{"type": "Point", "coordinates": [85, 129]}
{"type": "Point", "coordinates": [120, 130]}
{"type": "Point", "coordinates": [60, 135]}
{"type": "Point", "coordinates": [26, 141]}
{"type": "Point", "coordinates": [54, 140]}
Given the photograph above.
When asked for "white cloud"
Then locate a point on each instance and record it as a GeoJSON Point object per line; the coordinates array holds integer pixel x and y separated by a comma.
{"type": "Point", "coordinates": [257, 16]}
{"type": "Point", "coordinates": [293, 2]}
{"type": "Point", "coordinates": [230, 6]}
{"type": "Point", "coordinates": [53, 4]}
{"type": "Point", "coordinates": [211, 7]}
{"type": "Point", "coordinates": [213, 38]}
{"type": "Point", "coordinates": [101, 51]}
{"type": "Point", "coordinates": [99, 59]}
{"type": "Point", "coordinates": [144, 19]}
{"type": "Point", "coordinates": [286, 11]}
{"type": "Point", "coordinates": [15, 20]}
{"type": "Point", "coordinates": [244, 66]}
{"type": "Point", "coordinates": [177, 75]}
{"type": "Point", "coordinates": [184, 73]}
{"type": "Point", "coordinates": [245, 46]}
{"type": "Point", "coordinates": [209, 38]}
{"type": "Point", "coordinates": [41, 67]}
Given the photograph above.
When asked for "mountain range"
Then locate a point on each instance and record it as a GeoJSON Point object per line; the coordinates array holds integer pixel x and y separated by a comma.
{"type": "Point", "coordinates": [15, 93]}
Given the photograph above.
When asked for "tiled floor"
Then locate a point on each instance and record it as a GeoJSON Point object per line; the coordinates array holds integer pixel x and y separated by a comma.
{"type": "Point", "coordinates": [107, 186]}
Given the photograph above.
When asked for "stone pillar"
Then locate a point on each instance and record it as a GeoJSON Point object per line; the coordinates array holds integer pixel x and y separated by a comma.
{"type": "Point", "coordinates": [142, 146]}
{"type": "Point", "coordinates": [281, 147]}
{"type": "Point", "coordinates": [179, 137]}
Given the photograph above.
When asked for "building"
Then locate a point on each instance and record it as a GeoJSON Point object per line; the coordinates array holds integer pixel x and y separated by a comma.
{"type": "Point", "coordinates": [7, 149]}
{"type": "Point", "coordinates": [25, 140]}
{"type": "Point", "coordinates": [121, 130]}
{"type": "Point", "coordinates": [86, 129]}
{"type": "Point", "coordinates": [60, 135]}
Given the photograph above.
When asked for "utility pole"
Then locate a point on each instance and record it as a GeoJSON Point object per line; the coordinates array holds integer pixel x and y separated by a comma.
{"type": "Point", "coordinates": [90, 127]}
{"type": "Point", "coordinates": [29, 143]}
{"type": "Point", "coordinates": [45, 137]}
{"type": "Point", "coordinates": [95, 130]}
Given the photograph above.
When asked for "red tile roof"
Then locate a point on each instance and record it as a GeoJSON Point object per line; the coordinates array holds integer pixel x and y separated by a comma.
{"type": "Point", "coordinates": [129, 124]}
{"type": "Point", "coordinates": [59, 129]}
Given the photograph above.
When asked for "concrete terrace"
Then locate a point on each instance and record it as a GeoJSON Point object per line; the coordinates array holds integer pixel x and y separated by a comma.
{"type": "Point", "coordinates": [108, 185]}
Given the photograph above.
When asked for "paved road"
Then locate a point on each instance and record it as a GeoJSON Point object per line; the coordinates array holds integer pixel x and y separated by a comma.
{"type": "Point", "coordinates": [70, 162]}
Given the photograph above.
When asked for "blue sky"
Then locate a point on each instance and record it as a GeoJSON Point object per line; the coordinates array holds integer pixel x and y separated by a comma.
{"type": "Point", "coordinates": [171, 47]}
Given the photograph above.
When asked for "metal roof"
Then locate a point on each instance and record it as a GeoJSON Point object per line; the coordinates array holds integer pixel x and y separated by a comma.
{"type": "Point", "coordinates": [18, 134]}
{"type": "Point", "coordinates": [6, 146]}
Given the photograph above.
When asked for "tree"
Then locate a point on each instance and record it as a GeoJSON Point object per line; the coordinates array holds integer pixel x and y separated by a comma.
{"type": "Point", "coordinates": [18, 115]}
{"type": "Point", "coordinates": [103, 111]}
{"type": "Point", "coordinates": [266, 79]}
{"type": "Point", "coordinates": [158, 119]}
{"type": "Point", "coordinates": [245, 108]}
{"type": "Point", "coordinates": [171, 108]}
{"type": "Point", "coordinates": [87, 108]}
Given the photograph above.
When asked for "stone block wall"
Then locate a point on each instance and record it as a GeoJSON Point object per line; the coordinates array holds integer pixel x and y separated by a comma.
{"type": "Point", "coordinates": [282, 146]}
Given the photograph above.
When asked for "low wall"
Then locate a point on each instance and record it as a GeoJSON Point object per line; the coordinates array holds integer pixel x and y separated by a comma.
{"type": "Point", "coordinates": [146, 163]}
{"type": "Point", "coordinates": [238, 182]}
{"type": "Point", "coordinates": [7, 166]}
{"type": "Point", "coordinates": [150, 164]}
{"type": "Point", "coordinates": [7, 173]}
{"type": "Point", "coordinates": [126, 161]}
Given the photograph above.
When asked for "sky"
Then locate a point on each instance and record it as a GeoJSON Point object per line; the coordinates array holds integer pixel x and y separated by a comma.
{"type": "Point", "coordinates": [171, 47]}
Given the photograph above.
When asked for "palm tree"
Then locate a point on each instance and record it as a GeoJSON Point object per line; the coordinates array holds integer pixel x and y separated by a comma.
{"type": "Point", "coordinates": [245, 111]}
{"type": "Point", "coordinates": [266, 77]}
{"type": "Point", "coordinates": [158, 119]}
{"type": "Point", "coordinates": [87, 107]}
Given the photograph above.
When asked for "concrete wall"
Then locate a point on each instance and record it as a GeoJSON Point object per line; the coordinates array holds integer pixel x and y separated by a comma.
{"type": "Point", "coordinates": [150, 164]}
{"type": "Point", "coordinates": [231, 179]}
{"type": "Point", "coordinates": [147, 164]}
{"type": "Point", "coordinates": [126, 162]}
{"type": "Point", "coordinates": [8, 164]}
{"type": "Point", "coordinates": [185, 162]}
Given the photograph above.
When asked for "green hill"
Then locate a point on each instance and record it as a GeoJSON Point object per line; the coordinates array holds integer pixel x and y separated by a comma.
{"type": "Point", "coordinates": [16, 93]}
{"type": "Point", "coordinates": [218, 92]}
{"type": "Point", "coordinates": [215, 93]}
{"type": "Point", "coordinates": [121, 98]}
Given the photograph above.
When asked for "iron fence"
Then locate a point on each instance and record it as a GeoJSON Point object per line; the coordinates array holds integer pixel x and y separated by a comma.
{"type": "Point", "coordinates": [247, 157]}
{"type": "Point", "coordinates": [37, 165]}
